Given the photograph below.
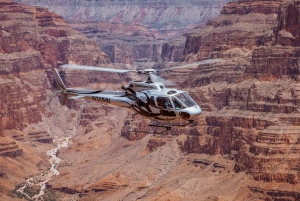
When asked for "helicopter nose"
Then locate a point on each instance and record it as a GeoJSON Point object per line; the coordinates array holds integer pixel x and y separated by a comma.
{"type": "Point", "coordinates": [196, 111]}
{"type": "Point", "coordinates": [190, 113]}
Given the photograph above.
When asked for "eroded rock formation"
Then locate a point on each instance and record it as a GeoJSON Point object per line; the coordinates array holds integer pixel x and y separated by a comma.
{"type": "Point", "coordinates": [31, 41]}
{"type": "Point", "coordinates": [136, 34]}
{"type": "Point", "coordinates": [9, 148]}
{"type": "Point", "coordinates": [251, 101]}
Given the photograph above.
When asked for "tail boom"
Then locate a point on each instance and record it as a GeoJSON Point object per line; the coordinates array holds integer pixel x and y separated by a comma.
{"type": "Point", "coordinates": [108, 97]}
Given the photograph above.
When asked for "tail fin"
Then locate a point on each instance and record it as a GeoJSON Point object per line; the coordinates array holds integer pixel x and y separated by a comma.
{"type": "Point", "coordinates": [61, 85]}
{"type": "Point", "coordinates": [58, 79]}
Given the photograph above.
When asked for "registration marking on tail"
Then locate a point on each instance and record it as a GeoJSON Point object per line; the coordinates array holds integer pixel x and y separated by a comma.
{"type": "Point", "coordinates": [101, 99]}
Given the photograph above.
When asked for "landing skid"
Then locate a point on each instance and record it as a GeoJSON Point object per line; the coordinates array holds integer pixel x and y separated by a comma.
{"type": "Point", "coordinates": [167, 127]}
{"type": "Point", "coordinates": [172, 125]}
{"type": "Point", "coordinates": [151, 131]}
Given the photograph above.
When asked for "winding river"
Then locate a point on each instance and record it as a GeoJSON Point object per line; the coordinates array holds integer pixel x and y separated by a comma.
{"type": "Point", "coordinates": [44, 177]}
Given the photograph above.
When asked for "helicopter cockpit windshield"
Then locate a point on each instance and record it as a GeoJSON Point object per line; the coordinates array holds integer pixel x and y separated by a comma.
{"type": "Point", "coordinates": [182, 100]}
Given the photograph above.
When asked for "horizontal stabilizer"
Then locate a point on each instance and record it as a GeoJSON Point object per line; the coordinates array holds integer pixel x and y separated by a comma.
{"type": "Point", "coordinates": [75, 97]}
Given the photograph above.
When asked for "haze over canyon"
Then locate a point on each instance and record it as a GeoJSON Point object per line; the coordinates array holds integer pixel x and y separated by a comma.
{"type": "Point", "coordinates": [135, 31]}
{"type": "Point", "coordinates": [244, 146]}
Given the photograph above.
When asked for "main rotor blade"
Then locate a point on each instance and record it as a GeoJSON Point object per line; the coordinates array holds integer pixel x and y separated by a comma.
{"type": "Point", "coordinates": [165, 82]}
{"type": "Point", "coordinates": [208, 61]}
{"type": "Point", "coordinates": [82, 67]}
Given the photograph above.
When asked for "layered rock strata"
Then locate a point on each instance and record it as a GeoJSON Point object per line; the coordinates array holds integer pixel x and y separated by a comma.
{"type": "Point", "coordinates": [251, 101]}
{"type": "Point", "coordinates": [139, 29]}
{"type": "Point", "coordinates": [33, 38]}
{"type": "Point", "coordinates": [16, 135]}
{"type": "Point", "coordinates": [9, 148]}
{"type": "Point", "coordinates": [31, 41]}
{"type": "Point", "coordinates": [236, 31]}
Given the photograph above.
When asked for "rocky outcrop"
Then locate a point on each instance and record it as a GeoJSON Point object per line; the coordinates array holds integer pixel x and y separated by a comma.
{"type": "Point", "coordinates": [9, 148]}
{"type": "Point", "coordinates": [16, 135]}
{"type": "Point", "coordinates": [239, 28]}
{"type": "Point", "coordinates": [19, 103]}
{"type": "Point", "coordinates": [132, 127]}
{"type": "Point", "coordinates": [33, 39]}
{"type": "Point", "coordinates": [273, 62]}
{"type": "Point", "coordinates": [42, 136]}
{"type": "Point", "coordinates": [173, 50]}
{"type": "Point", "coordinates": [1, 130]}
{"type": "Point", "coordinates": [288, 31]}
{"type": "Point", "coordinates": [154, 143]}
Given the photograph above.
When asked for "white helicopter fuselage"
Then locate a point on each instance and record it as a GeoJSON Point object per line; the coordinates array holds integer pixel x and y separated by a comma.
{"type": "Point", "coordinates": [152, 100]}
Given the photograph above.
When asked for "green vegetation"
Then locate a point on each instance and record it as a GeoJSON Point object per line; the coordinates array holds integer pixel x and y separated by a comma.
{"type": "Point", "coordinates": [50, 195]}
{"type": "Point", "coordinates": [31, 191]}
{"type": "Point", "coordinates": [16, 194]}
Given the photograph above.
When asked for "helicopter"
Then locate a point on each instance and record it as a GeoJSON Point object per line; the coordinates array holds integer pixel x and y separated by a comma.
{"type": "Point", "coordinates": [148, 98]}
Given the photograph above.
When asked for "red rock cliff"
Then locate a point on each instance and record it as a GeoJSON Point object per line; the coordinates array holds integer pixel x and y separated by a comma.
{"type": "Point", "coordinates": [251, 101]}
{"type": "Point", "coordinates": [241, 25]}
{"type": "Point", "coordinates": [33, 39]}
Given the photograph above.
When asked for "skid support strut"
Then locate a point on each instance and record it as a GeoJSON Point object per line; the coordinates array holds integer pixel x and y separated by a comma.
{"type": "Point", "coordinates": [167, 127]}
{"type": "Point", "coordinates": [171, 125]}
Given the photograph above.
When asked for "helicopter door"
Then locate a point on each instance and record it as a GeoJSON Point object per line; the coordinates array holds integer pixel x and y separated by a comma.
{"type": "Point", "coordinates": [153, 105]}
{"type": "Point", "coordinates": [152, 102]}
{"type": "Point", "coordinates": [165, 106]}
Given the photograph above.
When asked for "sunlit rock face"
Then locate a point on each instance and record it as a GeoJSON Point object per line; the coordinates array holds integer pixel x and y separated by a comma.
{"type": "Point", "coordinates": [247, 136]}
{"type": "Point", "coordinates": [134, 31]}
{"type": "Point", "coordinates": [32, 40]}
{"type": "Point", "coordinates": [251, 101]}
{"type": "Point", "coordinates": [239, 28]}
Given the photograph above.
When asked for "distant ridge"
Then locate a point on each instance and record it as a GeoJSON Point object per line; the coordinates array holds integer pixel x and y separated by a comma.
{"type": "Point", "coordinates": [161, 14]}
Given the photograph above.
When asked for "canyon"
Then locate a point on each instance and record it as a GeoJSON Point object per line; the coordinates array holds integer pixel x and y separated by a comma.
{"type": "Point", "coordinates": [136, 32]}
{"type": "Point", "coordinates": [244, 146]}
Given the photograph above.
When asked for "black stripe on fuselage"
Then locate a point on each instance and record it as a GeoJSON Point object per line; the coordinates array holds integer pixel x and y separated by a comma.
{"type": "Point", "coordinates": [93, 92]}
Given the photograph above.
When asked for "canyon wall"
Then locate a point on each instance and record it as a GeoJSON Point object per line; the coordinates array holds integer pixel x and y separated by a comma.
{"type": "Point", "coordinates": [250, 102]}
{"type": "Point", "coordinates": [138, 28]}
{"type": "Point", "coordinates": [32, 40]}
{"type": "Point", "coordinates": [247, 138]}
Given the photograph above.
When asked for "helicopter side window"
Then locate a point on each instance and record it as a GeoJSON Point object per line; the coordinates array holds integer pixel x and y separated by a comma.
{"type": "Point", "coordinates": [164, 103]}
{"type": "Point", "coordinates": [152, 102]}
